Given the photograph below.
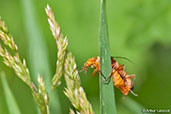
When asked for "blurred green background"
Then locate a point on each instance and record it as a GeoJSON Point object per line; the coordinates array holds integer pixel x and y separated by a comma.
{"type": "Point", "coordinates": [139, 30]}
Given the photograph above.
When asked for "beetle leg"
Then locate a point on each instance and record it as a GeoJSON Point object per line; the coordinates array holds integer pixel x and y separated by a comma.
{"type": "Point", "coordinates": [110, 74]}
{"type": "Point", "coordinates": [102, 74]}
{"type": "Point", "coordinates": [94, 71]}
{"type": "Point", "coordinates": [133, 93]}
{"type": "Point", "coordinates": [132, 75]}
{"type": "Point", "coordinates": [108, 78]}
{"type": "Point", "coordinates": [134, 78]}
{"type": "Point", "coordinates": [121, 67]}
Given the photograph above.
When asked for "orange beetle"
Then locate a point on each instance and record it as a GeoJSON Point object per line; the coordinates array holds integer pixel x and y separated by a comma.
{"type": "Point", "coordinates": [122, 80]}
{"type": "Point", "coordinates": [119, 76]}
{"type": "Point", "coordinates": [93, 62]}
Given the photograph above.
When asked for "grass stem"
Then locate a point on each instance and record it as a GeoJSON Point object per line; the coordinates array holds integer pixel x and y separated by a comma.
{"type": "Point", "coordinates": [107, 97]}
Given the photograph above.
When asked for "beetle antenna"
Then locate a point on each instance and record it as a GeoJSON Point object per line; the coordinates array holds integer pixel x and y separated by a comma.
{"type": "Point", "coordinates": [123, 58]}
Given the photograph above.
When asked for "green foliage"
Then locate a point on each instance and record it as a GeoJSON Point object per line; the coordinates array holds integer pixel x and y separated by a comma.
{"type": "Point", "coordinates": [74, 91]}
{"type": "Point", "coordinates": [20, 68]}
{"type": "Point", "coordinates": [107, 98]}
{"type": "Point", "coordinates": [132, 105]}
{"type": "Point", "coordinates": [139, 30]}
{"type": "Point", "coordinates": [10, 100]}
{"type": "Point", "coordinates": [40, 95]}
{"type": "Point", "coordinates": [38, 55]}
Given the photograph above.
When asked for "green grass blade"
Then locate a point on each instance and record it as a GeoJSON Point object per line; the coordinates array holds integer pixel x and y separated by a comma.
{"type": "Point", "coordinates": [133, 105]}
{"type": "Point", "coordinates": [38, 56]}
{"type": "Point", "coordinates": [107, 99]}
{"type": "Point", "coordinates": [10, 100]}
